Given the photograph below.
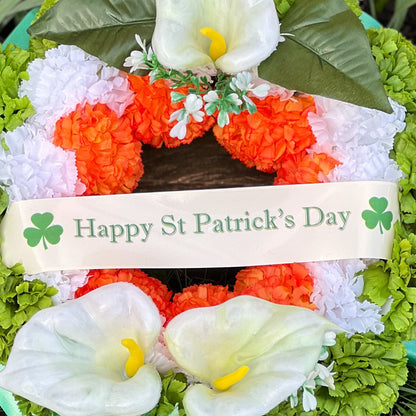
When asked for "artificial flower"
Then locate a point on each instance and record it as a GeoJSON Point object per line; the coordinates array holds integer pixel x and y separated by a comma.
{"type": "Point", "coordinates": [152, 287]}
{"type": "Point", "coordinates": [359, 138]}
{"type": "Point", "coordinates": [107, 156]}
{"type": "Point", "coordinates": [136, 60]}
{"type": "Point", "coordinates": [198, 296]}
{"type": "Point", "coordinates": [338, 286]}
{"type": "Point", "coordinates": [286, 284]}
{"type": "Point", "coordinates": [249, 354]}
{"type": "Point", "coordinates": [70, 358]}
{"type": "Point", "coordinates": [304, 168]}
{"type": "Point", "coordinates": [68, 77]}
{"type": "Point", "coordinates": [13, 109]}
{"type": "Point", "coordinates": [152, 109]}
{"type": "Point", "coordinates": [192, 107]}
{"type": "Point", "coordinates": [263, 139]}
{"type": "Point", "coordinates": [242, 34]}
{"type": "Point", "coordinates": [31, 167]}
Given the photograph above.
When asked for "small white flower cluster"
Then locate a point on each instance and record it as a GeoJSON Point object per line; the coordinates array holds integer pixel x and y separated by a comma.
{"type": "Point", "coordinates": [319, 376]}
{"type": "Point", "coordinates": [140, 59]}
{"type": "Point", "coordinates": [232, 99]}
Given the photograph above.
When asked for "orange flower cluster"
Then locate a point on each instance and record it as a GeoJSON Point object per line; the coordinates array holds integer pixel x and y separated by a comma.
{"type": "Point", "coordinates": [286, 284]}
{"type": "Point", "coordinates": [198, 296]}
{"type": "Point", "coordinates": [302, 168]}
{"type": "Point", "coordinates": [108, 158]}
{"type": "Point", "coordinates": [152, 287]}
{"type": "Point", "coordinates": [151, 110]}
{"type": "Point", "coordinates": [263, 139]}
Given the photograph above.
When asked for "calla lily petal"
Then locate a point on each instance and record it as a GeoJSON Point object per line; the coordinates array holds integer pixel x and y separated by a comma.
{"type": "Point", "coordinates": [69, 358]}
{"type": "Point", "coordinates": [250, 28]}
{"type": "Point", "coordinates": [280, 344]}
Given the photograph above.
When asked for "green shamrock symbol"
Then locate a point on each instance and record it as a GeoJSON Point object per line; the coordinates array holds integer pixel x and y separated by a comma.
{"type": "Point", "coordinates": [43, 231]}
{"type": "Point", "coordinates": [378, 216]}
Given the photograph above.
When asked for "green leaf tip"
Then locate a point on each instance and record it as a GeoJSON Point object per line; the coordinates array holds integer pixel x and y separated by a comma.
{"type": "Point", "coordinates": [328, 54]}
{"type": "Point", "coordinates": [103, 28]}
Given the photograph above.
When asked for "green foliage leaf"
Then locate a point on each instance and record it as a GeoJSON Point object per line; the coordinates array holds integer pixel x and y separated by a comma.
{"type": "Point", "coordinates": [328, 55]}
{"type": "Point", "coordinates": [104, 28]}
{"type": "Point", "coordinates": [173, 391]}
{"type": "Point", "coordinates": [369, 371]}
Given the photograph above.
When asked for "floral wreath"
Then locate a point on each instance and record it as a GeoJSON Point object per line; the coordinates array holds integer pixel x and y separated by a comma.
{"type": "Point", "coordinates": [296, 339]}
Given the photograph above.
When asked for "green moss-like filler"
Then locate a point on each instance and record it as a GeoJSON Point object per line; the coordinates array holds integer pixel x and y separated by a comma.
{"type": "Point", "coordinates": [283, 6]}
{"type": "Point", "coordinates": [28, 408]}
{"type": "Point", "coordinates": [369, 369]}
{"type": "Point", "coordinates": [13, 110]}
{"type": "Point", "coordinates": [19, 301]}
{"type": "Point", "coordinates": [396, 58]}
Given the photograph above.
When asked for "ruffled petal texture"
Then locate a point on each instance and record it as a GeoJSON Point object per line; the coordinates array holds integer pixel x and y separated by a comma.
{"type": "Point", "coordinates": [280, 345]}
{"type": "Point", "coordinates": [250, 29]}
{"type": "Point", "coordinates": [69, 358]}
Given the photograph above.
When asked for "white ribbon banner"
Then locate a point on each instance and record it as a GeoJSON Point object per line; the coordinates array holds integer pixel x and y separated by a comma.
{"type": "Point", "coordinates": [208, 228]}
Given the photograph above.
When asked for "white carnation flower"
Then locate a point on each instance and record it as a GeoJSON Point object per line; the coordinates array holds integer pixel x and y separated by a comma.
{"type": "Point", "coordinates": [336, 290]}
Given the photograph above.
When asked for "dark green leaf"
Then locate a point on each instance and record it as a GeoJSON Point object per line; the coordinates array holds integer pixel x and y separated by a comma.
{"type": "Point", "coordinates": [103, 28]}
{"type": "Point", "coordinates": [328, 55]}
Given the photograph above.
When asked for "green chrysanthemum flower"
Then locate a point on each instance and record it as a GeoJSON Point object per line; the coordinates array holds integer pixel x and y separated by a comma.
{"type": "Point", "coordinates": [13, 110]}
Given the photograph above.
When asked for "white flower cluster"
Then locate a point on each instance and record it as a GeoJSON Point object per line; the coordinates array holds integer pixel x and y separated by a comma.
{"type": "Point", "coordinates": [32, 167]}
{"type": "Point", "coordinates": [337, 286]}
{"type": "Point", "coordinates": [319, 376]}
{"type": "Point", "coordinates": [68, 76]}
{"type": "Point", "coordinates": [234, 98]}
{"type": "Point", "coordinates": [360, 138]}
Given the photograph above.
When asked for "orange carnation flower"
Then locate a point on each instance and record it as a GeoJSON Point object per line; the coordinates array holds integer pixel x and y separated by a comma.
{"type": "Point", "coordinates": [285, 284]}
{"type": "Point", "coordinates": [263, 139]}
{"type": "Point", "coordinates": [198, 296]}
{"type": "Point", "coordinates": [302, 168]}
{"type": "Point", "coordinates": [152, 287]}
{"type": "Point", "coordinates": [152, 109]}
{"type": "Point", "coordinates": [107, 157]}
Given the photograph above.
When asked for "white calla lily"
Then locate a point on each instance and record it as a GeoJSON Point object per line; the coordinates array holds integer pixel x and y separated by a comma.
{"type": "Point", "coordinates": [279, 346]}
{"type": "Point", "coordinates": [69, 358]}
{"type": "Point", "coordinates": [243, 33]}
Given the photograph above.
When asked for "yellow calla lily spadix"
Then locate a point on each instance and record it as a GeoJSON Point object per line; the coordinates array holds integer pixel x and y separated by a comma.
{"type": "Point", "coordinates": [224, 383]}
{"type": "Point", "coordinates": [136, 359]}
{"type": "Point", "coordinates": [218, 46]}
